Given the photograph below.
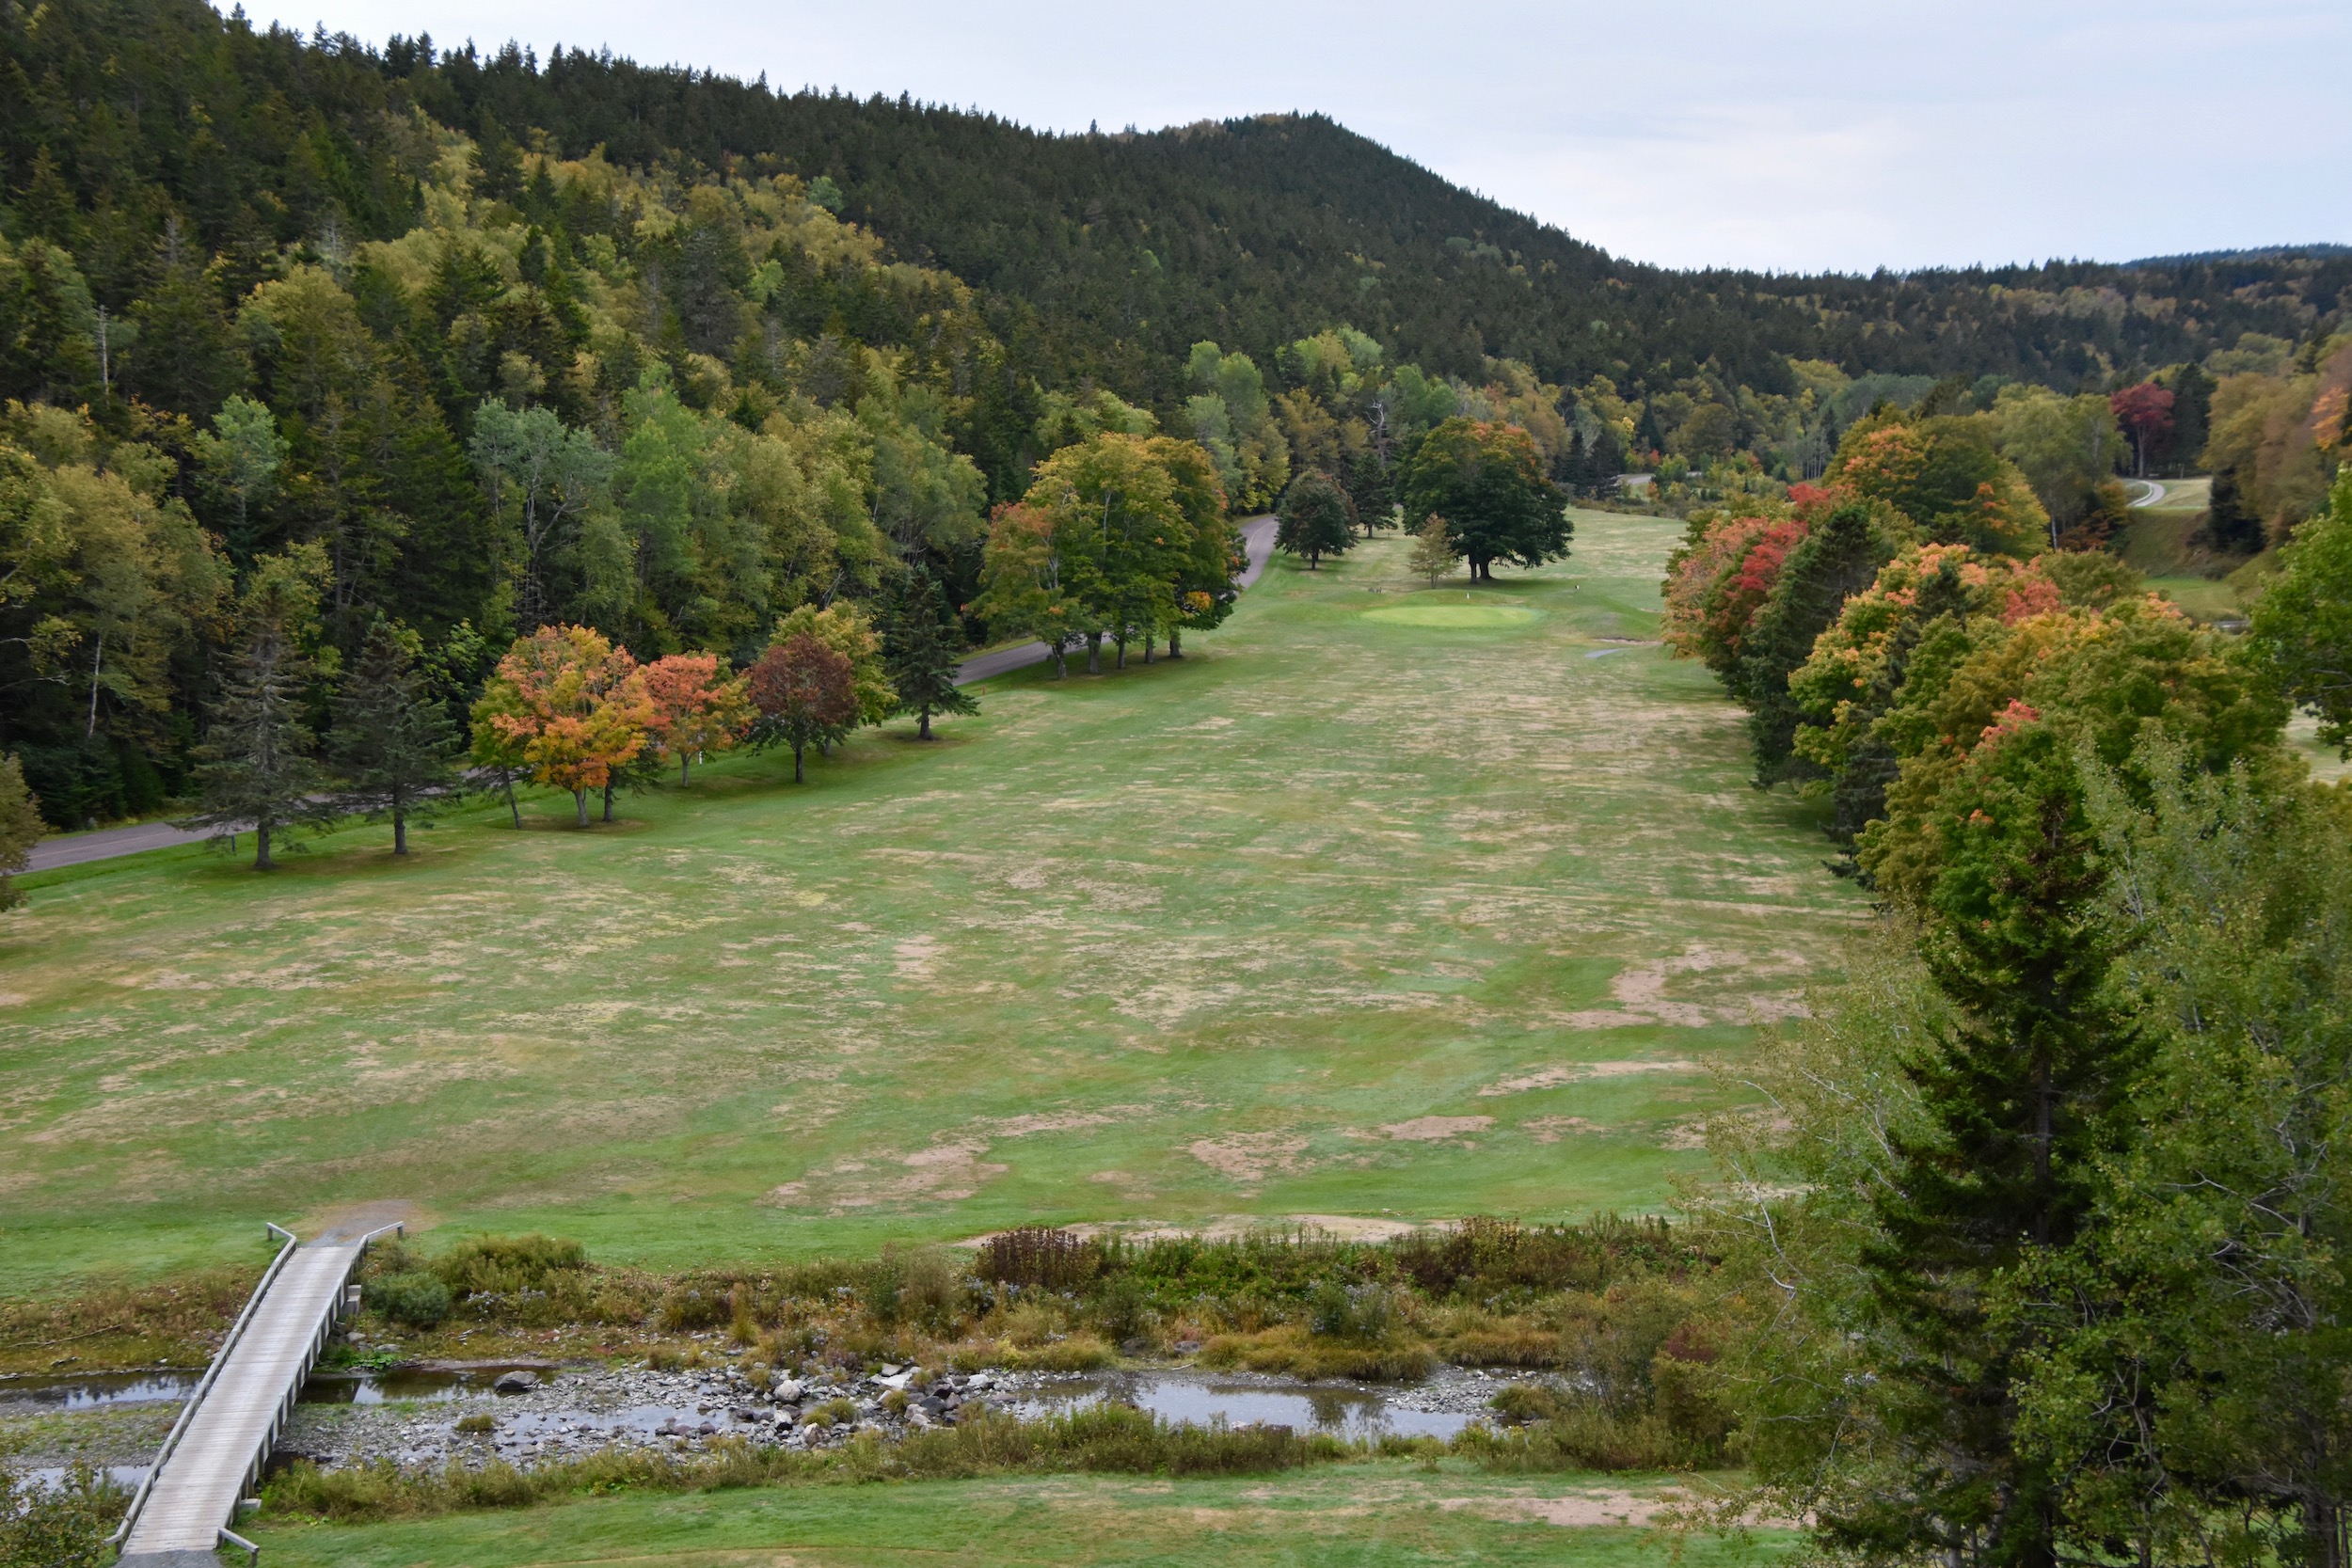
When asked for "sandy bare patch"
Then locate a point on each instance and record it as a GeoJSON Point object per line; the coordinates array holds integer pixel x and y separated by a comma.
{"type": "Point", "coordinates": [1578, 1072]}
{"type": "Point", "coordinates": [1430, 1129]}
{"type": "Point", "coordinates": [915, 958]}
{"type": "Point", "coordinates": [1546, 1130]}
{"type": "Point", "coordinates": [1586, 1508]}
{"type": "Point", "coordinates": [1247, 1157]}
{"type": "Point", "coordinates": [946, 1172]}
{"type": "Point", "coordinates": [1685, 1135]}
{"type": "Point", "coordinates": [1063, 1122]}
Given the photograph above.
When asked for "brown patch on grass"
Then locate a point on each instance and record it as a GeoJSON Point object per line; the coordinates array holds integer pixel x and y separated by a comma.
{"type": "Point", "coordinates": [1583, 1510]}
{"type": "Point", "coordinates": [1553, 1077]}
{"type": "Point", "coordinates": [1247, 1157]}
{"type": "Point", "coordinates": [1546, 1130]}
{"type": "Point", "coordinates": [1427, 1130]}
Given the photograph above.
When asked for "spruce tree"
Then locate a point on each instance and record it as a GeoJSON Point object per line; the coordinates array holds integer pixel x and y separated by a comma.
{"type": "Point", "coordinates": [255, 766]}
{"type": "Point", "coordinates": [1837, 559]}
{"type": "Point", "coordinates": [921, 644]}
{"type": "Point", "coordinates": [393, 742]}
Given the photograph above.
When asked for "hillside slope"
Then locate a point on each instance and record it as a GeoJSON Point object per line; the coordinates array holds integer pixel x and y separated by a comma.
{"type": "Point", "coordinates": [1102, 254]}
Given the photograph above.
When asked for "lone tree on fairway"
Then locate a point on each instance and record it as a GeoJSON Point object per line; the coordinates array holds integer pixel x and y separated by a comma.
{"type": "Point", "coordinates": [255, 766]}
{"type": "Point", "coordinates": [806, 694]}
{"type": "Point", "coordinates": [574, 705]}
{"type": "Point", "coordinates": [696, 710]}
{"type": "Point", "coordinates": [1434, 550]}
{"type": "Point", "coordinates": [1317, 519]}
{"type": "Point", "coordinates": [920, 643]}
{"type": "Point", "coordinates": [20, 829]}
{"type": "Point", "coordinates": [1487, 482]}
{"type": "Point", "coordinates": [393, 742]}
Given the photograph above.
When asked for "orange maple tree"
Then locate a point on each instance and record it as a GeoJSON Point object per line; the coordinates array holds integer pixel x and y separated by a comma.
{"type": "Point", "coordinates": [574, 708]}
{"type": "Point", "coordinates": [697, 710]}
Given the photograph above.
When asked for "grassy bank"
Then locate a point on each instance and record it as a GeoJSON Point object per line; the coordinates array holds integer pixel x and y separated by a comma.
{"type": "Point", "coordinates": [1369, 1511]}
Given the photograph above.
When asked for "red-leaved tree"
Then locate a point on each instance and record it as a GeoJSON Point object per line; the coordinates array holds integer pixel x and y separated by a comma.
{"type": "Point", "coordinates": [806, 696]}
{"type": "Point", "coordinates": [2146, 412]}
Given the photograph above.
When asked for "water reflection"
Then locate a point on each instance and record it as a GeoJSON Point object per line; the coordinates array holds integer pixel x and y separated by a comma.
{"type": "Point", "coordinates": [1343, 1410]}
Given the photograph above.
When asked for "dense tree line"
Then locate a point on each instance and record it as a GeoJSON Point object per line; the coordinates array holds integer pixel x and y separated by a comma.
{"type": "Point", "coordinates": [2056, 1273]}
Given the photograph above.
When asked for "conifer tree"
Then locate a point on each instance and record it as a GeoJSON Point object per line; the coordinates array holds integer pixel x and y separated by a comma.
{"type": "Point", "coordinates": [921, 642]}
{"type": "Point", "coordinates": [1836, 560]}
{"type": "Point", "coordinates": [393, 742]}
{"type": "Point", "coordinates": [256, 766]}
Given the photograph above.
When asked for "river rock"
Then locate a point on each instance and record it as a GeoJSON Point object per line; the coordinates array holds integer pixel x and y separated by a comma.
{"type": "Point", "coordinates": [517, 1382]}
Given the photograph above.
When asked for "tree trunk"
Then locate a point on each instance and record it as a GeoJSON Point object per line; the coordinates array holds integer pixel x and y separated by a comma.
{"type": "Point", "coordinates": [400, 831]}
{"type": "Point", "coordinates": [923, 723]}
{"type": "Point", "coordinates": [580, 799]}
{"type": "Point", "coordinates": [1094, 653]}
{"type": "Point", "coordinates": [685, 769]}
{"type": "Point", "coordinates": [1061, 659]}
{"type": "Point", "coordinates": [1175, 642]}
{"type": "Point", "coordinates": [1148, 639]}
{"type": "Point", "coordinates": [506, 778]}
{"type": "Point", "coordinates": [1121, 662]}
{"type": "Point", "coordinates": [607, 799]}
{"type": "Point", "coordinates": [797, 775]}
{"type": "Point", "coordinates": [261, 840]}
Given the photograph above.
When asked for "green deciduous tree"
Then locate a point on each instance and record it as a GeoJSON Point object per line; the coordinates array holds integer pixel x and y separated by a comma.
{"type": "Point", "coordinates": [241, 456]}
{"type": "Point", "coordinates": [393, 743]}
{"type": "Point", "coordinates": [20, 827]}
{"type": "Point", "coordinates": [1487, 482]}
{"type": "Point", "coordinates": [541, 475]}
{"type": "Point", "coordinates": [2301, 630]}
{"type": "Point", "coordinates": [1317, 519]}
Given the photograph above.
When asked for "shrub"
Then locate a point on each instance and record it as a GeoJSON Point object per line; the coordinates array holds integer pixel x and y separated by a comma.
{"type": "Point", "coordinates": [476, 1423]}
{"type": "Point", "coordinates": [419, 1300]}
{"type": "Point", "coordinates": [1290, 1351]}
{"type": "Point", "coordinates": [501, 1265]}
{"type": "Point", "coordinates": [1360, 1312]}
{"type": "Point", "coordinates": [918, 1287]}
{"type": "Point", "coordinates": [1040, 1255]}
{"type": "Point", "coordinates": [691, 1306]}
{"type": "Point", "coordinates": [63, 1526]}
{"type": "Point", "coordinates": [1079, 1353]}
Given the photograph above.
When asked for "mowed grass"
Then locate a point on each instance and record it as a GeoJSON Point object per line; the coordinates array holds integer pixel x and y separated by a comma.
{"type": "Point", "coordinates": [1403, 917]}
{"type": "Point", "coordinates": [1386, 1513]}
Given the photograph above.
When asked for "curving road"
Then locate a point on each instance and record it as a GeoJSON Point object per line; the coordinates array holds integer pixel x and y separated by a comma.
{"type": "Point", "coordinates": [107, 842]}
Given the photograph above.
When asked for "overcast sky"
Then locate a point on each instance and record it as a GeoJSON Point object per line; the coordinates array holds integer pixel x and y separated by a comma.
{"type": "Point", "coordinates": [1834, 134]}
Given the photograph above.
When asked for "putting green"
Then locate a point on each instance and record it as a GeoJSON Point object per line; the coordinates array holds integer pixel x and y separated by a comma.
{"type": "Point", "coordinates": [1452, 617]}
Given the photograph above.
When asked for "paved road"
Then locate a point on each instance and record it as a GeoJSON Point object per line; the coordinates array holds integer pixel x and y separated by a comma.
{"type": "Point", "coordinates": [2151, 493]}
{"type": "Point", "coordinates": [1257, 534]}
{"type": "Point", "coordinates": [106, 843]}
{"type": "Point", "coordinates": [196, 1491]}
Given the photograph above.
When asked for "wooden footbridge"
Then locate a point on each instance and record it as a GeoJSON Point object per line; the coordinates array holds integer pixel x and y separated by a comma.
{"type": "Point", "coordinates": [212, 1460]}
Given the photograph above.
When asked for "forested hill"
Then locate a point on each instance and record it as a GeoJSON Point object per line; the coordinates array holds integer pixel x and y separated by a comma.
{"type": "Point", "coordinates": [1102, 254]}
